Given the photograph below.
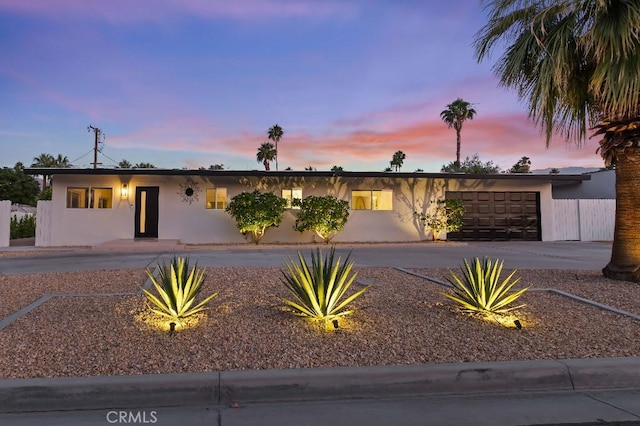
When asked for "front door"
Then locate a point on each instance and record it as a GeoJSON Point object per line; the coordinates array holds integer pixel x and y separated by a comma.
{"type": "Point", "coordinates": [146, 223]}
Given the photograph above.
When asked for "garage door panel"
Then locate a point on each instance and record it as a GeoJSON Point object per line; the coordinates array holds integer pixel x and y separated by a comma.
{"type": "Point", "coordinates": [498, 216]}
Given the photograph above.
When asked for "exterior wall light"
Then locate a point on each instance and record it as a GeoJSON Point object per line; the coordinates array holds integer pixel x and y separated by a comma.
{"type": "Point", "coordinates": [124, 191]}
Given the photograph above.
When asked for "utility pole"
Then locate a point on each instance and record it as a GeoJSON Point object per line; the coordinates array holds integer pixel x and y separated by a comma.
{"type": "Point", "coordinates": [96, 131]}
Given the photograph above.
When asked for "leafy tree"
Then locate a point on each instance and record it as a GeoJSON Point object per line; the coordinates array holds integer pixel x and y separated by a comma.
{"type": "Point", "coordinates": [337, 169]}
{"type": "Point", "coordinates": [522, 166]}
{"type": "Point", "coordinates": [254, 212]}
{"type": "Point", "coordinates": [124, 164]}
{"type": "Point", "coordinates": [388, 169]}
{"type": "Point", "coordinates": [266, 154]}
{"type": "Point", "coordinates": [455, 115]}
{"type": "Point", "coordinates": [577, 66]}
{"type": "Point", "coordinates": [144, 166]}
{"type": "Point", "coordinates": [472, 166]}
{"type": "Point", "coordinates": [310, 169]}
{"type": "Point", "coordinates": [554, 171]}
{"type": "Point", "coordinates": [447, 215]}
{"type": "Point", "coordinates": [216, 167]}
{"type": "Point", "coordinates": [275, 133]}
{"type": "Point", "coordinates": [398, 160]}
{"type": "Point", "coordinates": [325, 216]}
{"type": "Point", "coordinates": [19, 167]}
{"type": "Point", "coordinates": [46, 193]}
{"type": "Point", "coordinates": [18, 187]}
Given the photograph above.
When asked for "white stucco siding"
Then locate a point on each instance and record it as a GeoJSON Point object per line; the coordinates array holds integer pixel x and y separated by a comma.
{"type": "Point", "coordinates": [79, 226]}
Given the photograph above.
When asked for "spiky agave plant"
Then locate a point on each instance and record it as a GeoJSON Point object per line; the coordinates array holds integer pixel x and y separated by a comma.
{"type": "Point", "coordinates": [480, 289]}
{"type": "Point", "coordinates": [318, 290]}
{"type": "Point", "coordinates": [178, 288]}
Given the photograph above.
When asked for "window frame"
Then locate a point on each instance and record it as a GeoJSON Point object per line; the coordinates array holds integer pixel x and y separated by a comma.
{"type": "Point", "coordinates": [371, 202]}
{"type": "Point", "coordinates": [90, 199]}
{"type": "Point", "coordinates": [291, 197]}
{"type": "Point", "coordinates": [214, 202]}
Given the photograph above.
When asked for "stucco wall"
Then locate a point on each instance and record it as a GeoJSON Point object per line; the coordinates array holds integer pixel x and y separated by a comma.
{"type": "Point", "coordinates": [192, 223]}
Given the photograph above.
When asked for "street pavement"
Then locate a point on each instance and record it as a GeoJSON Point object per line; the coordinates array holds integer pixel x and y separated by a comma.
{"type": "Point", "coordinates": [605, 391]}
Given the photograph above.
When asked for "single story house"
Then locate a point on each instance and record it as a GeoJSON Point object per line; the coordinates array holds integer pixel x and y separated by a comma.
{"type": "Point", "coordinates": [93, 206]}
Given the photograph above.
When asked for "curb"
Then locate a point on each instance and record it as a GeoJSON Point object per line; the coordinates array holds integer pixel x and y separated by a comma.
{"type": "Point", "coordinates": [225, 388]}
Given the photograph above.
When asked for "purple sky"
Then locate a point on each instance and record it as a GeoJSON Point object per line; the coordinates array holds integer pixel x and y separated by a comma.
{"type": "Point", "coordinates": [190, 83]}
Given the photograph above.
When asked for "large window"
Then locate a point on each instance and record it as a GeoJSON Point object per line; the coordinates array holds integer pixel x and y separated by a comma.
{"type": "Point", "coordinates": [372, 199]}
{"type": "Point", "coordinates": [89, 197]}
{"type": "Point", "coordinates": [290, 195]}
{"type": "Point", "coordinates": [216, 198]}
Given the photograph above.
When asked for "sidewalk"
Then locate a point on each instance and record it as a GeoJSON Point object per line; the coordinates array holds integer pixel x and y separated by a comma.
{"type": "Point", "coordinates": [218, 389]}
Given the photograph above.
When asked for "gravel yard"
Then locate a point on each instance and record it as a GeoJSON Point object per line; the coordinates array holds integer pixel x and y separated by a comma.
{"type": "Point", "coordinates": [402, 319]}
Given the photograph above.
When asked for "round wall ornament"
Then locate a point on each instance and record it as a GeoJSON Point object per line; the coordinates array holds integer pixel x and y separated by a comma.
{"type": "Point", "coordinates": [189, 192]}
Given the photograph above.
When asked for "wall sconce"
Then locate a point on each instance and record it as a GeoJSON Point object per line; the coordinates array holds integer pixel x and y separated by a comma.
{"type": "Point", "coordinates": [124, 191]}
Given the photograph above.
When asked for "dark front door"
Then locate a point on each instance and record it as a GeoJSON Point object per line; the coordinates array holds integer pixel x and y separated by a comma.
{"type": "Point", "coordinates": [146, 222]}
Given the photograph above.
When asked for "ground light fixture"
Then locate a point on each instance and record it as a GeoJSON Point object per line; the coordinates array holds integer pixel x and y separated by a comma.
{"type": "Point", "coordinates": [335, 323]}
{"type": "Point", "coordinates": [172, 328]}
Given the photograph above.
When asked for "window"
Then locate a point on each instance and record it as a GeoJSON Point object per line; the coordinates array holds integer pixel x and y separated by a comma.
{"type": "Point", "coordinates": [372, 200]}
{"type": "Point", "coordinates": [290, 195]}
{"type": "Point", "coordinates": [216, 198]}
{"type": "Point", "coordinates": [87, 197]}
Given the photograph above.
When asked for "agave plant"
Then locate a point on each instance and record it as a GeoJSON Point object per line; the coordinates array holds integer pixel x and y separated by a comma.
{"type": "Point", "coordinates": [480, 290]}
{"type": "Point", "coordinates": [178, 288]}
{"type": "Point", "coordinates": [318, 290]}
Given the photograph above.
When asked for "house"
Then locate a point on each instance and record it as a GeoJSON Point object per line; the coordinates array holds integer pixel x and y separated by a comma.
{"type": "Point", "coordinates": [93, 206]}
{"type": "Point", "coordinates": [18, 211]}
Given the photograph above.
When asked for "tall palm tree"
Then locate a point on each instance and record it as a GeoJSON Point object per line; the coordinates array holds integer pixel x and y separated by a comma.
{"type": "Point", "coordinates": [266, 153]}
{"type": "Point", "coordinates": [577, 65]}
{"type": "Point", "coordinates": [62, 161]}
{"type": "Point", "coordinates": [275, 134]}
{"type": "Point", "coordinates": [398, 160]}
{"type": "Point", "coordinates": [457, 112]}
{"type": "Point", "coordinates": [144, 166]}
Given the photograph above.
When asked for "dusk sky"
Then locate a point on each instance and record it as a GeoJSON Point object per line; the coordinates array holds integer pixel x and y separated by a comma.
{"type": "Point", "coordinates": [190, 83]}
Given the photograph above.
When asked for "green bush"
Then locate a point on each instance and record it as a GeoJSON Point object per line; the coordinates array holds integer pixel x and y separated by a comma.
{"type": "Point", "coordinates": [323, 215]}
{"type": "Point", "coordinates": [178, 289]}
{"type": "Point", "coordinates": [254, 212]}
{"type": "Point", "coordinates": [25, 227]}
{"type": "Point", "coordinates": [318, 291]}
{"type": "Point", "coordinates": [447, 215]}
{"type": "Point", "coordinates": [480, 289]}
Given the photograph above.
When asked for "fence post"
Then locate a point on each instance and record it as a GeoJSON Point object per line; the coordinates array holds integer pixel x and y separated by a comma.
{"type": "Point", "coordinates": [5, 223]}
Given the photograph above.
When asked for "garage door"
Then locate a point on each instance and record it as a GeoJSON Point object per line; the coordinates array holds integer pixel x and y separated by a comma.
{"type": "Point", "coordinates": [491, 216]}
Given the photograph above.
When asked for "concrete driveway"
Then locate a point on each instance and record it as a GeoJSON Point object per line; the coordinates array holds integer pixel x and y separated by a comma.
{"type": "Point", "coordinates": [520, 255]}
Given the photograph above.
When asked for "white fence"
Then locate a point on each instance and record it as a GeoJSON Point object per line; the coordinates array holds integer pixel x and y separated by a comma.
{"type": "Point", "coordinates": [5, 221]}
{"type": "Point", "coordinates": [584, 220]}
{"type": "Point", "coordinates": [43, 223]}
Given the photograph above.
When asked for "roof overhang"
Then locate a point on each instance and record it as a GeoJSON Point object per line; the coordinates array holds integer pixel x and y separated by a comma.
{"type": "Point", "coordinates": [291, 173]}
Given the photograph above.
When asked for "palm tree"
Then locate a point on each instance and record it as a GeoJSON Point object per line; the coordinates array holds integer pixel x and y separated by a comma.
{"type": "Point", "coordinates": [397, 160]}
{"type": "Point", "coordinates": [124, 164]}
{"type": "Point", "coordinates": [337, 169]}
{"type": "Point", "coordinates": [44, 161]}
{"type": "Point", "coordinates": [457, 112]}
{"type": "Point", "coordinates": [62, 161]}
{"type": "Point", "coordinates": [275, 134]}
{"type": "Point", "coordinates": [266, 153]}
{"type": "Point", "coordinates": [576, 63]}
{"type": "Point", "coordinates": [144, 166]}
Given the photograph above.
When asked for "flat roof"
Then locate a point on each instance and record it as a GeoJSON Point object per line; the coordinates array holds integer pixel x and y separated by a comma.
{"type": "Point", "coordinates": [298, 173]}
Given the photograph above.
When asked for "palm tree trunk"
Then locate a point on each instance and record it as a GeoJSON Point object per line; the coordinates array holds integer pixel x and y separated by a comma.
{"type": "Point", "coordinates": [276, 155]}
{"type": "Point", "coordinates": [457, 147]}
{"type": "Point", "coordinates": [625, 253]}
